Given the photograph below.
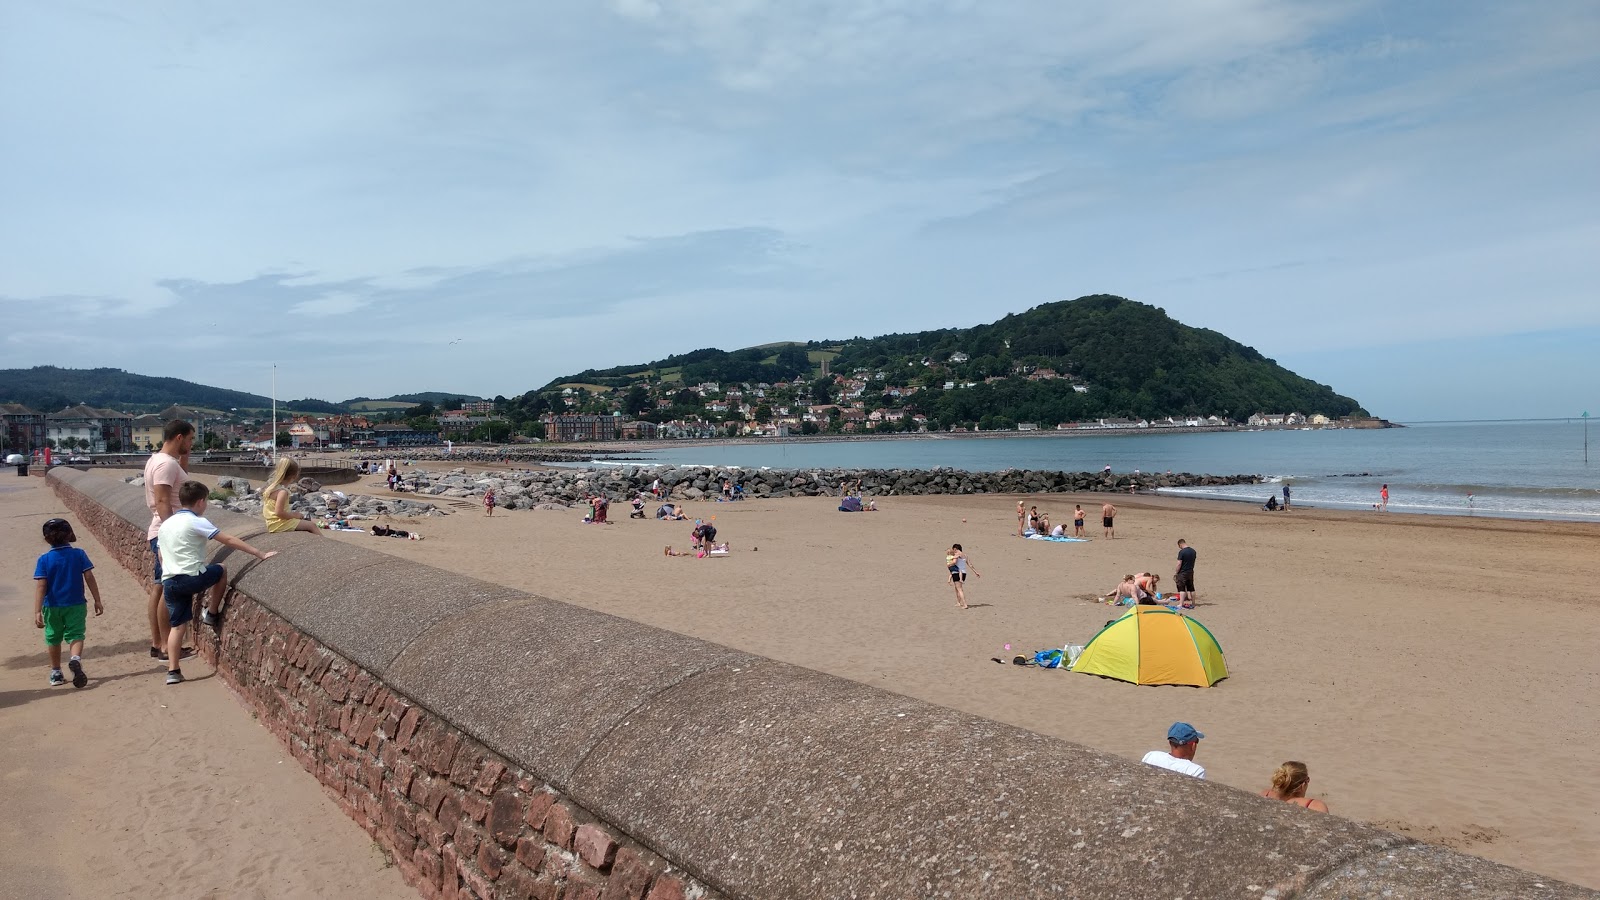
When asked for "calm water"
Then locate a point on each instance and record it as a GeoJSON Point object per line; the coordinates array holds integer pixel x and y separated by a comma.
{"type": "Point", "coordinates": [1523, 469]}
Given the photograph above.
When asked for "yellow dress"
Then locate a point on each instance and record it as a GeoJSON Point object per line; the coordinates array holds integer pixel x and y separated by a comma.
{"type": "Point", "coordinates": [269, 511]}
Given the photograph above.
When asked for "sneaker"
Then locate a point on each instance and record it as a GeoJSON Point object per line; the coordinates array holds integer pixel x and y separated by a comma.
{"type": "Point", "coordinates": [78, 678]}
{"type": "Point", "coordinates": [56, 678]}
{"type": "Point", "coordinates": [162, 654]}
{"type": "Point", "coordinates": [174, 676]}
{"type": "Point", "coordinates": [213, 619]}
{"type": "Point", "coordinates": [157, 653]}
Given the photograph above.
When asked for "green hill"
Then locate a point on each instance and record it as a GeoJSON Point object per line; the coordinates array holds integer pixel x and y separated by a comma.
{"type": "Point", "coordinates": [49, 388]}
{"type": "Point", "coordinates": [1093, 357]}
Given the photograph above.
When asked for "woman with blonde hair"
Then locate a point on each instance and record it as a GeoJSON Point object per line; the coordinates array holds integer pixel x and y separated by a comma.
{"type": "Point", "coordinates": [275, 501]}
{"type": "Point", "coordinates": [1289, 784]}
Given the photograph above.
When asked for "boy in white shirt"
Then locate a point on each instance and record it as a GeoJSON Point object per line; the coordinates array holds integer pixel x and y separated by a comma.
{"type": "Point", "coordinates": [182, 541]}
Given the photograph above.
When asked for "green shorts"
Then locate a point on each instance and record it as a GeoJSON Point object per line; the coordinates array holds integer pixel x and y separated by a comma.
{"type": "Point", "coordinates": [64, 624]}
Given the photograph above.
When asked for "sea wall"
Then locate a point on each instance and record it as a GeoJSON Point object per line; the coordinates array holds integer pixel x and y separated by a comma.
{"type": "Point", "coordinates": [501, 744]}
{"type": "Point", "coordinates": [527, 490]}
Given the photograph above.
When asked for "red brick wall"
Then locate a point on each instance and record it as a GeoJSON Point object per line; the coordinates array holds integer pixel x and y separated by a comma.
{"type": "Point", "coordinates": [457, 819]}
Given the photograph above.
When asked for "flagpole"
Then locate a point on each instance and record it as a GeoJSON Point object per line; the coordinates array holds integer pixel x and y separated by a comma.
{"type": "Point", "coordinates": [274, 436]}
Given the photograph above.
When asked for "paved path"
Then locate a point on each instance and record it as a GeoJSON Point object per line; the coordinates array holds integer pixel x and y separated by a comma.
{"type": "Point", "coordinates": [128, 788]}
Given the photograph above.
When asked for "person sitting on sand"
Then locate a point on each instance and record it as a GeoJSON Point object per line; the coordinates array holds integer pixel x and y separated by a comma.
{"type": "Point", "coordinates": [1044, 524]}
{"type": "Point", "coordinates": [671, 512]}
{"type": "Point", "coordinates": [1289, 784]}
{"type": "Point", "coordinates": [1123, 593]}
{"type": "Point", "coordinates": [1182, 743]}
{"type": "Point", "coordinates": [1147, 589]}
{"type": "Point", "coordinates": [1059, 531]}
{"type": "Point", "coordinates": [1271, 504]}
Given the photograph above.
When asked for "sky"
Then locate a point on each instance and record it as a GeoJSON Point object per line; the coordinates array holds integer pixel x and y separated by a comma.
{"type": "Point", "coordinates": [1400, 200]}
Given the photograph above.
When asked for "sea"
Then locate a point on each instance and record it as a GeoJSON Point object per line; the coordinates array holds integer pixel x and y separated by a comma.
{"type": "Point", "coordinates": [1519, 469]}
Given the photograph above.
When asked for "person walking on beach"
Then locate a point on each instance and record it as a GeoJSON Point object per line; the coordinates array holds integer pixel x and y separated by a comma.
{"type": "Point", "coordinates": [163, 472]}
{"type": "Point", "coordinates": [1286, 496]}
{"type": "Point", "coordinates": [58, 603]}
{"type": "Point", "coordinates": [1383, 499]}
{"type": "Point", "coordinates": [1182, 742]}
{"type": "Point", "coordinates": [488, 502]}
{"type": "Point", "coordinates": [182, 539]}
{"type": "Point", "coordinates": [1077, 520]}
{"type": "Point", "coordinates": [955, 562]}
{"type": "Point", "coordinates": [275, 501]}
{"type": "Point", "coordinates": [1289, 784]}
{"type": "Point", "coordinates": [1108, 520]}
{"type": "Point", "coordinates": [1183, 580]}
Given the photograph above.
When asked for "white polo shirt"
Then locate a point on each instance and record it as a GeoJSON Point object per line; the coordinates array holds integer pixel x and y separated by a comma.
{"type": "Point", "coordinates": [182, 541]}
{"type": "Point", "coordinates": [1167, 761]}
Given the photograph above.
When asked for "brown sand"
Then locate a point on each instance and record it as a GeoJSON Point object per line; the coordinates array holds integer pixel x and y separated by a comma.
{"type": "Point", "coordinates": [129, 788]}
{"type": "Point", "coordinates": [1437, 674]}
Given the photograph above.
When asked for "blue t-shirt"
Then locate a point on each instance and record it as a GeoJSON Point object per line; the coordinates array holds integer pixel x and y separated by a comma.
{"type": "Point", "coordinates": [62, 571]}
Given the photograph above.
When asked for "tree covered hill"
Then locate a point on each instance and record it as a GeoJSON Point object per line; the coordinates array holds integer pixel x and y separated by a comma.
{"type": "Point", "coordinates": [50, 388]}
{"type": "Point", "coordinates": [1093, 357]}
{"type": "Point", "coordinates": [1134, 358]}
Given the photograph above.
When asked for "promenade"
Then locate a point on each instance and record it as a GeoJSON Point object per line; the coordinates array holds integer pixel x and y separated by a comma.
{"type": "Point", "coordinates": [128, 788]}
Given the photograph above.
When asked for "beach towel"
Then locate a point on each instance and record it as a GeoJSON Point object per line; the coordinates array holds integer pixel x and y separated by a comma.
{"type": "Point", "coordinates": [1059, 540]}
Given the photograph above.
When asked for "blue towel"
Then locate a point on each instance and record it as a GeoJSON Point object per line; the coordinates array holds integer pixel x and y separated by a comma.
{"type": "Point", "coordinates": [1058, 540]}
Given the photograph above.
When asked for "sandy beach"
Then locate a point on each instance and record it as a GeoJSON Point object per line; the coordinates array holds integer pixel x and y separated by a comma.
{"type": "Point", "coordinates": [1431, 671]}
{"type": "Point", "coordinates": [128, 788]}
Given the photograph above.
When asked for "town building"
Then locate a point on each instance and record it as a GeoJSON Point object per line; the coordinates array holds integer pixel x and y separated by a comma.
{"type": "Point", "coordinates": [24, 429]}
{"type": "Point", "coordinates": [95, 430]}
{"type": "Point", "coordinates": [569, 428]}
{"type": "Point", "coordinates": [147, 433]}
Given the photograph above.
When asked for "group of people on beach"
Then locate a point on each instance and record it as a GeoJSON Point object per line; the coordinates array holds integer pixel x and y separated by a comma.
{"type": "Point", "coordinates": [181, 579]}
{"type": "Point", "coordinates": [1145, 587]}
{"type": "Point", "coordinates": [1290, 781]}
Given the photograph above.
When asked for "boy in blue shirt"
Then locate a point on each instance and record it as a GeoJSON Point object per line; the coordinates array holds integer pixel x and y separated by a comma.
{"type": "Point", "coordinates": [58, 603]}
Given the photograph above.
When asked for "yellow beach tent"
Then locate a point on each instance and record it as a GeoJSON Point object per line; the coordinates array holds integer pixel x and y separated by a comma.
{"type": "Point", "coordinates": [1154, 645]}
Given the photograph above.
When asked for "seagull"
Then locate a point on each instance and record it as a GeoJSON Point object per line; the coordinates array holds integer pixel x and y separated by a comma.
{"type": "Point", "coordinates": [456, 341]}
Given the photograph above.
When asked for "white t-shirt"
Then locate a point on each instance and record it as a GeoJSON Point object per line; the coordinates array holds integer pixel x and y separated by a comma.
{"type": "Point", "coordinates": [1159, 758]}
{"type": "Point", "coordinates": [182, 541]}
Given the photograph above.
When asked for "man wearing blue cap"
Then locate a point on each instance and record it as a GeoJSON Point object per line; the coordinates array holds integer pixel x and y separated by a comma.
{"type": "Point", "coordinates": [1182, 742]}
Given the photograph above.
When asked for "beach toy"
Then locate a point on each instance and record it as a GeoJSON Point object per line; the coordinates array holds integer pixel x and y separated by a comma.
{"type": "Point", "coordinates": [1008, 646]}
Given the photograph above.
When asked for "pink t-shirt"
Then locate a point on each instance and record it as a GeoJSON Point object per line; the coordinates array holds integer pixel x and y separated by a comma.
{"type": "Point", "coordinates": [161, 468]}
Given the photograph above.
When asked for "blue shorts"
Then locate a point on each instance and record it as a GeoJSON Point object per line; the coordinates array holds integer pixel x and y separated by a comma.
{"type": "Point", "coordinates": [180, 590]}
{"type": "Point", "coordinates": [156, 552]}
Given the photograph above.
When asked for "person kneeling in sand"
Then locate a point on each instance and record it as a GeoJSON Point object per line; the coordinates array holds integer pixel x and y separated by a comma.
{"type": "Point", "coordinates": [1289, 784]}
{"type": "Point", "coordinates": [1123, 594]}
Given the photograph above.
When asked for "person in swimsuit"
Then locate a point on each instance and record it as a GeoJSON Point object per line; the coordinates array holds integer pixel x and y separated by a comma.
{"type": "Point", "coordinates": [1147, 589]}
{"type": "Point", "coordinates": [1108, 518]}
{"type": "Point", "coordinates": [1077, 521]}
{"type": "Point", "coordinates": [1289, 784]}
{"type": "Point", "coordinates": [1383, 498]}
{"type": "Point", "coordinates": [488, 502]}
{"type": "Point", "coordinates": [1022, 518]}
{"type": "Point", "coordinates": [955, 562]}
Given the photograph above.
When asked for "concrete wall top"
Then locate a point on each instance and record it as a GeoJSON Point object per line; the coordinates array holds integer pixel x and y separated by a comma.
{"type": "Point", "coordinates": [767, 780]}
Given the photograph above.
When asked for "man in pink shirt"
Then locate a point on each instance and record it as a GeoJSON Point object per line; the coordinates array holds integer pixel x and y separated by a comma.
{"type": "Point", "coordinates": [163, 473]}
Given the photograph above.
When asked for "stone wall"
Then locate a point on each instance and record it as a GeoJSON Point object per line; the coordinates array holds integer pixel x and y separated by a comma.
{"type": "Point", "coordinates": [500, 744]}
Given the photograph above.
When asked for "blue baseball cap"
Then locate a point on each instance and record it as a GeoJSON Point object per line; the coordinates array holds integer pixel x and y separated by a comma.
{"type": "Point", "coordinates": [1183, 733]}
